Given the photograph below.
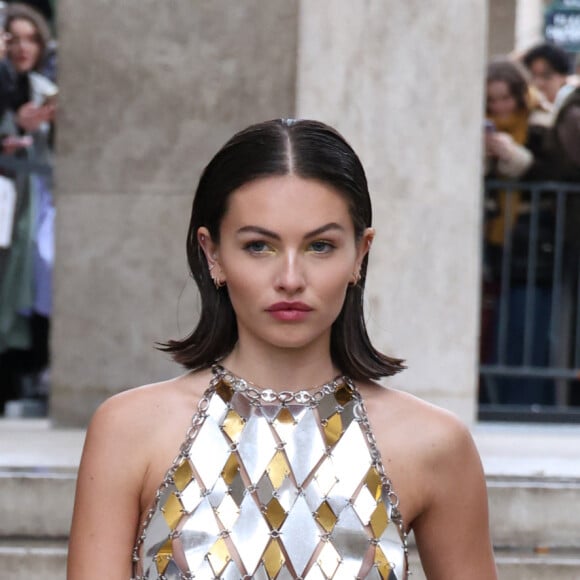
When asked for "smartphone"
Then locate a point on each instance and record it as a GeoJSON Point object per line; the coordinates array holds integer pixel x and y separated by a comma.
{"type": "Point", "coordinates": [489, 126]}
{"type": "Point", "coordinates": [49, 98]}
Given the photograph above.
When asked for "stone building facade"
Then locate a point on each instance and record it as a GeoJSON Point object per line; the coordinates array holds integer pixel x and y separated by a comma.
{"type": "Point", "coordinates": [151, 89]}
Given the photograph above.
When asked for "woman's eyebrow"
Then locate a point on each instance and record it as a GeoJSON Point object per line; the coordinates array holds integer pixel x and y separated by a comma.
{"type": "Point", "coordinates": [258, 230]}
{"type": "Point", "coordinates": [323, 229]}
{"type": "Point", "coordinates": [270, 234]}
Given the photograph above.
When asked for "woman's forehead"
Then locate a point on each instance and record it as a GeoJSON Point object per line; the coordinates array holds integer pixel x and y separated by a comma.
{"type": "Point", "coordinates": [287, 200]}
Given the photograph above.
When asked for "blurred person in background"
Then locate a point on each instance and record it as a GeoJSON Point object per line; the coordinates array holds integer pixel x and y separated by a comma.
{"type": "Point", "coordinates": [518, 118]}
{"type": "Point", "coordinates": [26, 130]}
{"type": "Point", "coordinates": [516, 125]}
{"type": "Point", "coordinates": [550, 70]}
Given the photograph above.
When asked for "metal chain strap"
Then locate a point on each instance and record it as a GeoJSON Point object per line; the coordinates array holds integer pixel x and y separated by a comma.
{"type": "Point", "coordinates": [258, 395]}
{"type": "Point", "coordinates": [362, 416]}
{"type": "Point", "coordinates": [196, 422]}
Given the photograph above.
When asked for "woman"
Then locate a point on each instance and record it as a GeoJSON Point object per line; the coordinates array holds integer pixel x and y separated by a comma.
{"type": "Point", "coordinates": [26, 266]}
{"type": "Point", "coordinates": [517, 117]}
{"type": "Point", "coordinates": [276, 477]}
{"type": "Point", "coordinates": [515, 145]}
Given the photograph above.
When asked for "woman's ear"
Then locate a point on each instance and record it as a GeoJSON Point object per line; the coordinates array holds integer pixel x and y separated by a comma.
{"type": "Point", "coordinates": [208, 246]}
{"type": "Point", "coordinates": [364, 245]}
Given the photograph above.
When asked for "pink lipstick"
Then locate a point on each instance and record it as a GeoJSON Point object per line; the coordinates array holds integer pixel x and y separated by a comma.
{"type": "Point", "coordinates": [289, 311]}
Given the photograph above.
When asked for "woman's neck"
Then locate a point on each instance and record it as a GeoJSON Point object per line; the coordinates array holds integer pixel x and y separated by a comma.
{"type": "Point", "coordinates": [282, 369]}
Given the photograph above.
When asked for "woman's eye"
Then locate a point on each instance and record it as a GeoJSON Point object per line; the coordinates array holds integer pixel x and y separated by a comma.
{"type": "Point", "coordinates": [257, 247]}
{"type": "Point", "coordinates": [321, 247]}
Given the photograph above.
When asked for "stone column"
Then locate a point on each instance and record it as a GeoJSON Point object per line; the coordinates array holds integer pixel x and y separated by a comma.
{"type": "Point", "coordinates": [149, 91]}
{"type": "Point", "coordinates": [501, 24]}
{"type": "Point", "coordinates": [403, 81]}
{"type": "Point", "coordinates": [529, 23]}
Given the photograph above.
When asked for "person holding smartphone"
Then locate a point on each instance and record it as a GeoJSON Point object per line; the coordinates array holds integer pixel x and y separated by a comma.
{"type": "Point", "coordinates": [26, 129]}
{"type": "Point", "coordinates": [516, 125]}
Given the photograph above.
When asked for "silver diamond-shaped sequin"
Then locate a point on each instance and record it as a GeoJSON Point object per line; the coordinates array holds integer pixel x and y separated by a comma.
{"type": "Point", "coordinates": [231, 572]}
{"type": "Point", "coordinates": [285, 574]}
{"type": "Point", "coordinates": [256, 447]}
{"type": "Point", "coordinates": [358, 463]}
{"type": "Point", "coordinates": [209, 452]}
{"type": "Point", "coordinates": [218, 493]}
{"type": "Point", "coordinates": [365, 505]}
{"type": "Point", "coordinates": [304, 447]}
{"type": "Point", "coordinates": [287, 494]}
{"type": "Point", "coordinates": [199, 534]}
{"type": "Point", "coordinates": [217, 409]}
{"type": "Point", "coordinates": [300, 534]}
{"type": "Point", "coordinates": [158, 532]}
{"type": "Point", "coordinates": [250, 533]}
{"type": "Point", "coordinates": [172, 572]}
{"type": "Point", "coordinates": [191, 496]}
{"type": "Point", "coordinates": [350, 542]}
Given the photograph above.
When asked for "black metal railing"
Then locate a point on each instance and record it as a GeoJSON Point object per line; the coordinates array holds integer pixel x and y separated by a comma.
{"type": "Point", "coordinates": [530, 355]}
{"type": "Point", "coordinates": [24, 165]}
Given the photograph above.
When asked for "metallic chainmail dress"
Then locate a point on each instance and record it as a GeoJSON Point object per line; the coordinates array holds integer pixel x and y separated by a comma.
{"type": "Point", "coordinates": [274, 485]}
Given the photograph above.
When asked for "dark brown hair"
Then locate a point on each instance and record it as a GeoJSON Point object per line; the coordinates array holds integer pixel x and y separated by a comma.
{"type": "Point", "coordinates": [307, 149]}
{"type": "Point", "coordinates": [19, 11]}
{"type": "Point", "coordinates": [515, 77]}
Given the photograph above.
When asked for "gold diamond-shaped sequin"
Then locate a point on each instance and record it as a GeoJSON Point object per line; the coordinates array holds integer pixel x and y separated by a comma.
{"type": "Point", "coordinates": [231, 469]}
{"type": "Point", "coordinates": [278, 469]}
{"type": "Point", "coordinates": [284, 424]}
{"type": "Point", "coordinates": [379, 520]}
{"type": "Point", "coordinates": [382, 564]}
{"type": "Point", "coordinates": [233, 425]}
{"type": "Point", "coordinates": [275, 514]}
{"type": "Point", "coordinates": [343, 395]}
{"type": "Point", "coordinates": [333, 429]}
{"type": "Point", "coordinates": [273, 559]}
{"type": "Point", "coordinates": [219, 556]}
{"type": "Point", "coordinates": [285, 417]}
{"type": "Point", "coordinates": [328, 560]}
{"type": "Point", "coordinates": [325, 516]}
{"type": "Point", "coordinates": [163, 556]}
{"type": "Point", "coordinates": [183, 475]}
{"type": "Point", "coordinates": [224, 391]}
{"type": "Point", "coordinates": [374, 483]}
{"type": "Point", "coordinates": [172, 511]}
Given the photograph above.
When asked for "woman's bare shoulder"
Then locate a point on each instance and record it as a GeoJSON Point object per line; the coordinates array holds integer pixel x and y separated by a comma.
{"type": "Point", "coordinates": [406, 422]}
{"type": "Point", "coordinates": [419, 444]}
{"type": "Point", "coordinates": [138, 410]}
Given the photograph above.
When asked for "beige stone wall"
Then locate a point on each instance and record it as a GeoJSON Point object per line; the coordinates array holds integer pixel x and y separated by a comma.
{"type": "Point", "coordinates": [404, 84]}
{"type": "Point", "coordinates": [502, 27]}
{"type": "Point", "coordinates": [149, 91]}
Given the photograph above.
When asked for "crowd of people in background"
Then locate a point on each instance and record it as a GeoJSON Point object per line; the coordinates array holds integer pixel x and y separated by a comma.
{"type": "Point", "coordinates": [531, 135]}
{"type": "Point", "coordinates": [28, 95]}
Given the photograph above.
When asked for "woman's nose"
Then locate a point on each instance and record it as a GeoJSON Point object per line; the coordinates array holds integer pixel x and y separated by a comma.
{"type": "Point", "coordinates": [291, 276]}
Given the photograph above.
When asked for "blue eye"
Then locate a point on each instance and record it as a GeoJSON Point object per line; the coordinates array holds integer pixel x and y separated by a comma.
{"type": "Point", "coordinates": [256, 247]}
{"type": "Point", "coordinates": [321, 247]}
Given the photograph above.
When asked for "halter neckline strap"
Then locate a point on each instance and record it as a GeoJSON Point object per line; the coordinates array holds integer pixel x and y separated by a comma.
{"type": "Point", "coordinates": [270, 395]}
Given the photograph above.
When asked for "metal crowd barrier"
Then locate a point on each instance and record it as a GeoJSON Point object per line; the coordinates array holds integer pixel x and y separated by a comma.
{"type": "Point", "coordinates": [24, 165]}
{"type": "Point", "coordinates": [533, 324]}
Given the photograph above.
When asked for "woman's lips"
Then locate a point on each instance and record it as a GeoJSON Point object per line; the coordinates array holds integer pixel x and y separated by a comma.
{"type": "Point", "coordinates": [289, 311]}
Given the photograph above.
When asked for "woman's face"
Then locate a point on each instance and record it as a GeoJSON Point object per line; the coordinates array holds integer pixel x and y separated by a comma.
{"type": "Point", "coordinates": [500, 101]}
{"type": "Point", "coordinates": [287, 253]}
{"type": "Point", "coordinates": [23, 45]}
